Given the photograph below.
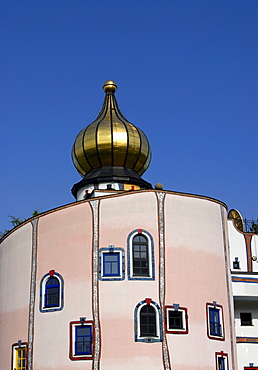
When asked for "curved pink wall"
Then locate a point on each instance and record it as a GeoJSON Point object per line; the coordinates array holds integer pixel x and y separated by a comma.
{"type": "Point", "coordinates": [15, 274]}
{"type": "Point", "coordinates": [195, 273]}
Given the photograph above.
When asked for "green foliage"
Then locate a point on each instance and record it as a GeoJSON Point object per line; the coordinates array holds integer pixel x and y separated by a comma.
{"type": "Point", "coordinates": [15, 221]}
{"type": "Point", "coordinates": [35, 213]}
{"type": "Point", "coordinates": [254, 228]}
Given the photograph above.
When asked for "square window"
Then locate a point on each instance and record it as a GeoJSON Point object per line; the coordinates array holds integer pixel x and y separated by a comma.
{"type": "Point", "coordinates": [215, 321]}
{"type": "Point", "coordinates": [246, 318]}
{"type": "Point", "coordinates": [111, 263]}
{"type": "Point", "coordinates": [236, 265]}
{"type": "Point", "coordinates": [81, 340]}
{"type": "Point", "coordinates": [176, 320]}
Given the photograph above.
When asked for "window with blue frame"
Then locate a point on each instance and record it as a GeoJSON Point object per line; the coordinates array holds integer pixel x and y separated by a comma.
{"type": "Point", "coordinates": [51, 292]}
{"type": "Point", "coordinates": [83, 340]}
{"type": "Point", "coordinates": [221, 363]}
{"type": "Point", "coordinates": [215, 323]}
{"type": "Point", "coordinates": [140, 255]}
{"type": "Point", "coordinates": [147, 321]}
{"type": "Point", "coordinates": [214, 318]}
{"type": "Point", "coordinates": [111, 263]}
{"type": "Point", "coordinates": [221, 360]}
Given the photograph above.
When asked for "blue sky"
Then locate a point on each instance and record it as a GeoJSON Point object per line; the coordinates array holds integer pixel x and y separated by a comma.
{"type": "Point", "coordinates": [187, 75]}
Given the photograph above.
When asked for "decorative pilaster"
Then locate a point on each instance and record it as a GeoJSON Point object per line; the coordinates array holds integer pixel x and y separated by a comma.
{"type": "Point", "coordinates": [95, 287]}
{"type": "Point", "coordinates": [32, 292]}
{"type": "Point", "coordinates": [165, 351]}
{"type": "Point", "coordinates": [248, 238]}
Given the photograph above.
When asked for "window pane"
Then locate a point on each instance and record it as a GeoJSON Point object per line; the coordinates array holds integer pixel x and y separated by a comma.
{"type": "Point", "coordinates": [214, 317]}
{"type": "Point", "coordinates": [53, 281]}
{"type": "Point", "coordinates": [114, 268]}
{"type": "Point", "coordinates": [84, 330]}
{"type": "Point", "coordinates": [111, 263]}
{"type": "Point", "coordinates": [221, 362]}
{"type": "Point", "coordinates": [107, 269]}
{"type": "Point", "coordinates": [140, 256]}
{"type": "Point", "coordinates": [110, 257]}
{"type": "Point", "coordinates": [246, 318]}
{"type": "Point", "coordinates": [52, 292]}
{"type": "Point", "coordinates": [175, 320]}
{"type": "Point", "coordinates": [83, 341]}
{"type": "Point", "coordinates": [148, 321]}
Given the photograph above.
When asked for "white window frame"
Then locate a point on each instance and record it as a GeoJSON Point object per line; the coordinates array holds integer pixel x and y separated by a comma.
{"type": "Point", "coordinates": [223, 355]}
{"type": "Point", "coordinates": [15, 347]}
{"type": "Point", "coordinates": [183, 330]}
{"type": "Point", "coordinates": [110, 250]}
{"type": "Point", "coordinates": [131, 276]}
{"type": "Point", "coordinates": [73, 356]}
{"type": "Point", "coordinates": [43, 282]}
{"type": "Point", "coordinates": [148, 339]}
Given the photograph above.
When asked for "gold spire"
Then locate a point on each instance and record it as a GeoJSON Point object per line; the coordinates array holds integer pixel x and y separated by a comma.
{"type": "Point", "coordinates": [109, 86]}
{"type": "Point", "coordinates": [111, 140]}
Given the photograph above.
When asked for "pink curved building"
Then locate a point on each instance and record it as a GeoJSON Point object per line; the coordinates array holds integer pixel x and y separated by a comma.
{"type": "Point", "coordinates": [127, 277]}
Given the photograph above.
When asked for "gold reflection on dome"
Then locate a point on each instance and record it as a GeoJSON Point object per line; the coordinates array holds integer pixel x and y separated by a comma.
{"type": "Point", "coordinates": [111, 141]}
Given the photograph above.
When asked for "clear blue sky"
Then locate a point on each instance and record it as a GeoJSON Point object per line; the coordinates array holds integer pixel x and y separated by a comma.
{"type": "Point", "coordinates": [187, 75]}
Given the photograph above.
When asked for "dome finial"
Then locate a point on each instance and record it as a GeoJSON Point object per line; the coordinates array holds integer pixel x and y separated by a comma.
{"type": "Point", "coordinates": [109, 86]}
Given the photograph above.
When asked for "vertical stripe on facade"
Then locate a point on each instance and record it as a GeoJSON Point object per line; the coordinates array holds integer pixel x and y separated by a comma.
{"type": "Point", "coordinates": [32, 292]}
{"type": "Point", "coordinates": [95, 287]}
{"type": "Point", "coordinates": [228, 282]}
{"type": "Point", "coordinates": [248, 238]}
{"type": "Point", "coordinates": [165, 351]}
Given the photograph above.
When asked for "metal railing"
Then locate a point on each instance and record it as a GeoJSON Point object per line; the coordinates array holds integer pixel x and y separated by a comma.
{"type": "Point", "coordinates": [251, 226]}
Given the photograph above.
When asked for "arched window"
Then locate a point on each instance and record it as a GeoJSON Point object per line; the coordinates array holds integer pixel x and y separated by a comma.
{"type": "Point", "coordinates": [51, 292]}
{"type": "Point", "coordinates": [147, 322]}
{"type": "Point", "coordinates": [140, 255]}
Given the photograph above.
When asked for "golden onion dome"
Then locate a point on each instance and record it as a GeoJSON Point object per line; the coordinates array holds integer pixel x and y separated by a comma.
{"type": "Point", "coordinates": [111, 141]}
